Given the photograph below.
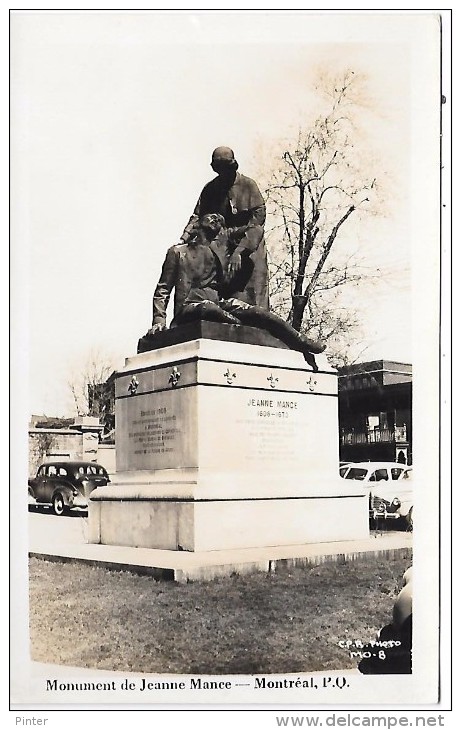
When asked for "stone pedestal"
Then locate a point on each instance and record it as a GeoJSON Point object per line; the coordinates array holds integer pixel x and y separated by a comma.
{"type": "Point", "coordinates": [222, 444]}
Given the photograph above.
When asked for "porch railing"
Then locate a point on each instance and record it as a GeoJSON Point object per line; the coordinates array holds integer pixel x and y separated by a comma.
{"type": "Point", "coordinates": [375, 436]}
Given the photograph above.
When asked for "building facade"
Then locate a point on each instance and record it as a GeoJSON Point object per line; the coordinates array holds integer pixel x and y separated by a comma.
{"type": "Point", "coordinates": [375, 411]}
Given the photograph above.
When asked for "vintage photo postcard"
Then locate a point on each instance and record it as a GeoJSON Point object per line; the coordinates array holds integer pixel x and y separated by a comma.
{"type": "Point", "coordinates": [230, 348]}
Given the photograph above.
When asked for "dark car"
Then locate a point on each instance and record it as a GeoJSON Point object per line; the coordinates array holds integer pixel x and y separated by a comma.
{"type": "Point", "coordinates": [66, 484]}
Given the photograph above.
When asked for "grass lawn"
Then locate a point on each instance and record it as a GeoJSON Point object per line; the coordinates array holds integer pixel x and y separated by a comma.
{"type": "Point", "coordinates": [282, 622]}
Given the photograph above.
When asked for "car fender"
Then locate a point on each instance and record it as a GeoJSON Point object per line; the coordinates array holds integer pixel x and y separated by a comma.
{"type": "Point", "coordinates": [67, 494]}
{"type": "Point", "coordinates": [391, 490]}
{"type": "Point", "coordinates": [405, 506]}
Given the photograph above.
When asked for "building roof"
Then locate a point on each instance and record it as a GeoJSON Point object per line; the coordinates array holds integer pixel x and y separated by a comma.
{"type": "Point", "coordinates": [376, 366]}
{"type": "Point", "coordinates": [374, 374]}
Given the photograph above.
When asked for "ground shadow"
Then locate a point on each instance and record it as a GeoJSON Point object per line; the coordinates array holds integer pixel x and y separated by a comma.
{"type": "Point", "coordinates": [46, 509]}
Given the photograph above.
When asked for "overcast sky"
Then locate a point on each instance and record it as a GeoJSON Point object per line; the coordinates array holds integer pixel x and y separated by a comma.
{"type": "Point", "coordinates": [114, 117]}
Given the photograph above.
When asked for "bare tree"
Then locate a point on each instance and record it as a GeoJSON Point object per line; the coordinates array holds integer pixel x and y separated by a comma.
{"type": "Point", "coordinates": [45, 442]}
{"type": "Point", "coordinates": [316, 188]}
{"type": "Point", "coordinates": [87, 384]}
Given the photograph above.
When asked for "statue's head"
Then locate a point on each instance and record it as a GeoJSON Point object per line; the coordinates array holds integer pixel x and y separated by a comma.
{"type": "Point", "coordinates": [212, 223]}
{"type": "Point", "coordinates": [223, 161]}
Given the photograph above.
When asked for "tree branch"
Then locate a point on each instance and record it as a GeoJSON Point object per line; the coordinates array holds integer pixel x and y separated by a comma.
{"type": "Point", "coordinates": [326, 251]}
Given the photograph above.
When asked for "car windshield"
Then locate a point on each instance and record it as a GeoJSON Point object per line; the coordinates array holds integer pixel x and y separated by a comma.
{"type": "Point", "coordinates": [356, 473]}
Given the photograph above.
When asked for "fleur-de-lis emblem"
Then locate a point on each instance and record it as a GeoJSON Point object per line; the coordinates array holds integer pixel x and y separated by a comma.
{"type": "Point", "coordinates": [230, 377]}
{"type": "Point", "coordinates": [174, 377]}
{"type": "Point", "coordinates": [272, 380]}
{"type": "Point", "coordinates": [311, 383]}
{"type": "Point", "coordinates": [133, 386]}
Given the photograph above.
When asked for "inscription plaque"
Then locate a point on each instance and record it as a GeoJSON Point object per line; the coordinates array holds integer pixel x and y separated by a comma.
{"type": "Point", "coordinates": [157, 431]}
{"type": "Point", "coordinates": [250, 430]}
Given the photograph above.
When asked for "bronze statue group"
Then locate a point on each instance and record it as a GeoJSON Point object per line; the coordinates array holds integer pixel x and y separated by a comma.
{"type": "Point", "coordinates": [219, 269]}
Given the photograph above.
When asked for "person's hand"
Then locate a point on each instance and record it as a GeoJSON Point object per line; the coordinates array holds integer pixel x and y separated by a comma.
{"type": "Point", "coordinates": [235, 263]}
{"type": "Point", "coordinates": [159, 327]}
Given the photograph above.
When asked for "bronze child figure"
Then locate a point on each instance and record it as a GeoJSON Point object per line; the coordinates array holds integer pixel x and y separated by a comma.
{"type": "Point", "coordinates": [200, 273]}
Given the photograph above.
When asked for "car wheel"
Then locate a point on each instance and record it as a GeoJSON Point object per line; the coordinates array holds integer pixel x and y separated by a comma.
{"type": "Point", "coordinates": [58, 504]}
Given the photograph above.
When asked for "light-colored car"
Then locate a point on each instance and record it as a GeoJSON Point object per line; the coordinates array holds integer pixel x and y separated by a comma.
{"type": "Point", "coordinates": [66, 484]}
{"type": "Point", "coordinates": [390, 488]}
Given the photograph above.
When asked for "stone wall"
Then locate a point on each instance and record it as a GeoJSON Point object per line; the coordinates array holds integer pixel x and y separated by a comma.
{"type": "Point", "coordinates": [79, 442]}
